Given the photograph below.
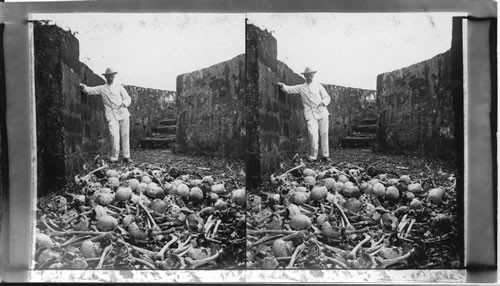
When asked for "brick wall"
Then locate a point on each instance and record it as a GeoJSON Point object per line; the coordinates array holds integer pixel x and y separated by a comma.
{"type": "Point", "coordinates": [416, 107]}
{"type": "Point", "coordinates": [149, 106]}
{"type": "Point", "coordinates": [211, 110]}
{"type": "Point", "coordinates": [347, 108]}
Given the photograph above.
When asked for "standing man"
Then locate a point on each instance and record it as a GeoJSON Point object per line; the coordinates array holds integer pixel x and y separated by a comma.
{"type": "Point", "coordinates": [315, 99]}
{"type": "Point", "coordinates": [116, 100]}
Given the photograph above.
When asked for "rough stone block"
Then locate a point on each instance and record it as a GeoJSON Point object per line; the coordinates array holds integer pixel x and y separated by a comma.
{"type": "Point", "coordinates": [211, 110]}
{"type": "Point", "coordinates": [416, 108]}
{"type": "Point", "coordinates": [275, 123]}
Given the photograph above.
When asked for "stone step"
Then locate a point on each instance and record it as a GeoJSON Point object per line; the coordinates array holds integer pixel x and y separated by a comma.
{"type": "Point", "coordinates": [157, 142]}
{"type": "Point", "coordinates": [358, 142]}
{"type": "Point", "coordinates": [368, 121]}
{"type": "Point", "coordinates": [362, 135]}
{"type": "Point", "coordinates": [370, 128]}
{"type": "Point", "coordinates": [168, 122]}
{"type": "Point", "coordinates": [164, 129]}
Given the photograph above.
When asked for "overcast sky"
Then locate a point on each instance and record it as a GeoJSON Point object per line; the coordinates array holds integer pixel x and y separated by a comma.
{"type": "Point", "coordinates": [150, 50]}
{"type": "Point", "coordinates": [352, 49]}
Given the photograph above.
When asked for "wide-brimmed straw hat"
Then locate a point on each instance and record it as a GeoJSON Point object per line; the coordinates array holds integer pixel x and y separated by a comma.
{"type": "Point", "coordinates": [309, 70]}
{"type": "Point", "coordinates": [110, 71]}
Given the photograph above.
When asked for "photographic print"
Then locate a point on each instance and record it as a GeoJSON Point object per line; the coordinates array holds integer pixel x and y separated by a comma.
{"type": "Point", "coordinates": [139, 135]}
{"type": "Point", "coordinates": [231, 141]}
{"type": "Point", "coordinates": [357, 124]}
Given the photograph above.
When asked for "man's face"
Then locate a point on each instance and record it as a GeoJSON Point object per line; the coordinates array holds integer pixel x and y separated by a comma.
{"type": "Point", "coordinates": [309, 77]}
{"type": "Point", "coordinates": [110, 78]}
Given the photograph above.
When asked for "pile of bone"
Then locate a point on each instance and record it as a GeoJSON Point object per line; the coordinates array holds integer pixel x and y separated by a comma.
{"type": "Point", "coordinates": [141, 218]}
{"type": "Point", "coordinates": [343, 219]}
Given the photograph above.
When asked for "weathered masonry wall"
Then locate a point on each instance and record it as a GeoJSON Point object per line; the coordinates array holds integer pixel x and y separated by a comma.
{"type": "Point", "coordinates": [149, 106]}
{"type": "Point", "coordinates": [348, 107]}
{"type": "Point", "coordinates": [211, 110]}
{"type": "Point", "coordinates": [275, 121]}
{"type": "Point", "coordinates": [70, 126]}
{"type": "Point", "coordinates": [416, 106]}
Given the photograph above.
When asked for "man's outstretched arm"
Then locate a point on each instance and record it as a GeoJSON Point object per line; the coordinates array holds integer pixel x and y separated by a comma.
{"type": "Point", "coordinates": [289, 89]}
{"type": "Point", "coordinates": [95, 90]}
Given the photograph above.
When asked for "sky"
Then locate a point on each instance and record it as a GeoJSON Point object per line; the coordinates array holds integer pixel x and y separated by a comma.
{"type": "Point", "coordinates": [150, 50]}
{"type": "Point", "coordinates": [351, 49]}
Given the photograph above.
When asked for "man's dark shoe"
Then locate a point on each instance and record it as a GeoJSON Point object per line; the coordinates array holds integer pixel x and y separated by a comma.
{"type": "Point", "coordinates": [327, 159]}
{"type": "Point", "coordinates": [127, 160]}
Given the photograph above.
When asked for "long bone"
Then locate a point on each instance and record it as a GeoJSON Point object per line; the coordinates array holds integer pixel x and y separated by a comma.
{"type": "Point", "coordinates": [384, 263]}
{"type": "Point", "coordinates": [160, 255]}
{"type": "Point", "coordinates": [295, 254]}
{"type": "Point", "coordinates": [352, 254]}
{"type": "Point", "coordinates": [193, 264]}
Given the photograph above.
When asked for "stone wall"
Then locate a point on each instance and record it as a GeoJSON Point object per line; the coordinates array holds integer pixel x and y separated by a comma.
{"type": "Point", "coordinates": [211, 110]}
{"type": "Point", "coordinates": [416, 108]}
{"type": "Point", "coordinates": [275, 122]}
{"type": "Point", "coordinates": [348, 107]}
{"type": "Point", "coordinates": [149, 106]}
{"type": "Point", "coordinates": [71, 127]}
{"type": "Point", "coordinates": [261, 63]}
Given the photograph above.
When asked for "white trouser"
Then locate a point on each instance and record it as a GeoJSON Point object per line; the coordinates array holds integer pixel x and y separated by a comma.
{"type": "Point", "coordinates": [119, 128]}
{"type": "Point", "coordinates": [321, 125]}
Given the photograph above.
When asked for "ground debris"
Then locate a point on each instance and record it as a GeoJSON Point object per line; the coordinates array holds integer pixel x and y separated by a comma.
{"type": "Point", "coordinates": [363, 211]}
{"type": "Point", "coordinates": [161, 212]}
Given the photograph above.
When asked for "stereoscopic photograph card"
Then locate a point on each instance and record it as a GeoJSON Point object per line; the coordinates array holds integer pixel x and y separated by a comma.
{"type": "Point", "coordinates": [336, 146]}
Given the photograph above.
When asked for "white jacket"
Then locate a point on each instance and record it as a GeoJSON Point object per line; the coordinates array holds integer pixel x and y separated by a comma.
{"type": "Point", "coordinates": [112, 96]}
{"type": "Point", "coordinates": [312, 95]}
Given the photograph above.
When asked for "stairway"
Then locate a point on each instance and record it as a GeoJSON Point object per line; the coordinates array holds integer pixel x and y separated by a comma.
{"type": "Point", "coordinates": [162, 137]}
{"type": "Point", "coordinates": [363, 135]}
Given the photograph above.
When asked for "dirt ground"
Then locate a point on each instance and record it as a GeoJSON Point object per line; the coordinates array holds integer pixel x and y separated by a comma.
{"type": "Point", "coordinates": [220, 167]}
